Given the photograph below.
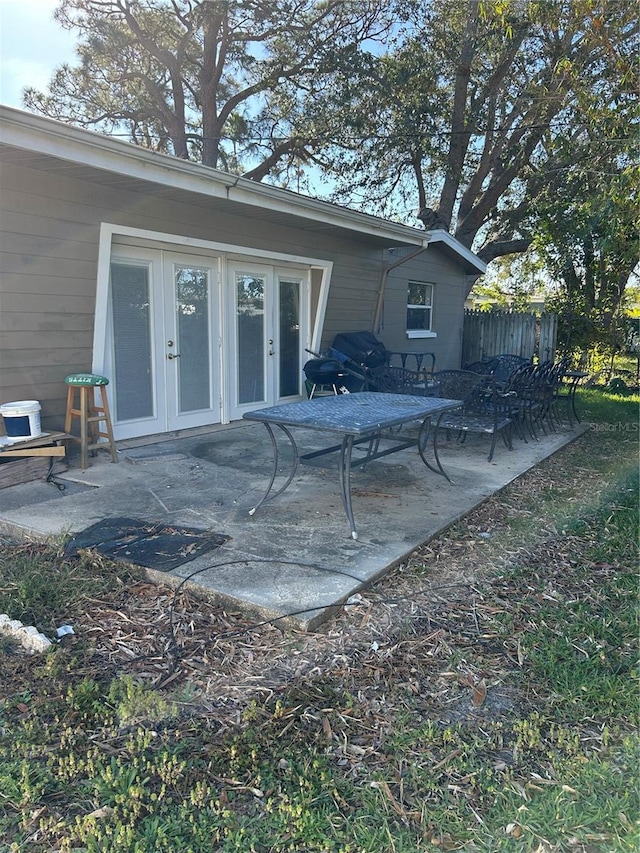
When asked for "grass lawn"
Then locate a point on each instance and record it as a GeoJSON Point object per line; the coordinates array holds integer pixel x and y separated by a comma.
{"type": "Point", "coordinates": [481, 697]}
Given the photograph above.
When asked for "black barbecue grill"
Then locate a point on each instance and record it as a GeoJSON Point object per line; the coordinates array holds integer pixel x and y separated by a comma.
{"type": "Point", "coordinates": [358, 361]}
{"type": "Point", "coordinates": [363, 352]}
{"type": "Point", "coordinates": [323, 374]}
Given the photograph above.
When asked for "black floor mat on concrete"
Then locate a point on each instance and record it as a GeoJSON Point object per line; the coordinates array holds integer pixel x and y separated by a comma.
{"type": "Point", "coordinates": [156, 546]}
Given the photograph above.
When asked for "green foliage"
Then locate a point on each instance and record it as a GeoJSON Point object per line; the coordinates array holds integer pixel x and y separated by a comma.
{"type": "Point", "coordinates": [40, 588]}
{"type": "Point", "coordinates": [475, 109]}
{"type": "Point", "coordinates": [586, 218]}
{"type": "Point", "coordinates": [211, 81]}
{"type": "Point", "coordinates": [133, 702]}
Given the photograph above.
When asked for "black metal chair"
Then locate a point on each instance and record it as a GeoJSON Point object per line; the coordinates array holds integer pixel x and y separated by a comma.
{"type": "Point", "coordinates": [483, 408]}
{"type": "Point", "coordinates": [533, 394]}
{"type": "Point", "coordinates": [396, 380]}
{"type": "Point", "coordinates": [483, 367]}
{"type": "Point", "coordinates": [504, 365]}
{"type": "Point", "coordinates": [550, 393]}
{"type": "Point", "coordinates": [564, 393]}
{"type": "Point", "coordinates": [522, 401]}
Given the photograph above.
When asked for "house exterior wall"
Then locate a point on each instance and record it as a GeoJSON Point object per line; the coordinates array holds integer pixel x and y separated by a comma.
{"type": "Point", "coordinates": [49, 242]}
{"type": "Point", "coordinates": [431, 267]}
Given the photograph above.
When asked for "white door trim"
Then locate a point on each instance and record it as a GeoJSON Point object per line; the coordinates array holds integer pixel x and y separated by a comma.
{"type": "Point", "coordinates": [281, 263]}
{"type": "Point", "coordinates": [110, 231]}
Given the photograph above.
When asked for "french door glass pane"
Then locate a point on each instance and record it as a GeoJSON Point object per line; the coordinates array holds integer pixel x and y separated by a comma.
{"type": "Point", "coordinates": [131, 311]}
{"type": "Point", "coordinates": [289, 365]}
{"type": "Point", "coordinates": [192, 321]}
{"type": "Point", "coordinates": [250, 336]}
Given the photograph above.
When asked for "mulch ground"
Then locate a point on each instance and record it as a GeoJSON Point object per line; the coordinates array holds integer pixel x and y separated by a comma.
{"type": "Point", "coordinates": [403, 630]}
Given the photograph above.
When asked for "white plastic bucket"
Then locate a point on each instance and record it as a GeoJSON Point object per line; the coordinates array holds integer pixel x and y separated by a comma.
{"type": "Point", "coordinates": [21, 419]}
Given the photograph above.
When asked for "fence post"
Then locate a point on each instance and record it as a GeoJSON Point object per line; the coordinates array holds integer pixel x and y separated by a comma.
{"type": "Point", "coordinates": [548, 333]}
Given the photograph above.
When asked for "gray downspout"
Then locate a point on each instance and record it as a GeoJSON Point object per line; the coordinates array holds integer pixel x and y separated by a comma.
{"type": "Point", "coordinates": [386, 269]}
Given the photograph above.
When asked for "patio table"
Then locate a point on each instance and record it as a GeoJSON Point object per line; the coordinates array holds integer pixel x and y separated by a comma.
{"type": "Point", "coordinates": [355, 419]}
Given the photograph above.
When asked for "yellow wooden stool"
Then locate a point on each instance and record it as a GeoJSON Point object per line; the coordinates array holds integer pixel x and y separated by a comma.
{"type": "Point", "coordinates": [91, 415]}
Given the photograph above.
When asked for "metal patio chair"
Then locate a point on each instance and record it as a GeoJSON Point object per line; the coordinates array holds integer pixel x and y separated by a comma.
{"type": "Point", "coordinates": [397, 380]}
{"type": "Point", "coordinates": [483, 408]}
{"type": "Point", "coordinates": [504, 365]}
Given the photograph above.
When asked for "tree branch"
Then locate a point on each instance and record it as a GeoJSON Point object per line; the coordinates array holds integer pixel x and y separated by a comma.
{"type": "Point", "coordinates": [504, 247]}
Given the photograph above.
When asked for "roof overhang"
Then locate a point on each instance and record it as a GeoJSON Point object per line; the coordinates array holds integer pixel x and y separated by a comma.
{"type": "Point", "coordinates": [57, 147]}
{"type": "Point", "coordinates": [455, 249]}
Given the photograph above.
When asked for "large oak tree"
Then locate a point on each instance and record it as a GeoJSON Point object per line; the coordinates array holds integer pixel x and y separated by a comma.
{"type": "Point", "coordinates": [458, 122]}
{"type": "Point", "coordinates": [457, 114]}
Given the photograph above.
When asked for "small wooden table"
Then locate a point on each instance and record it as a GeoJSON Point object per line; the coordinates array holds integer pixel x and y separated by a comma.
{"type": "Point", "coordinates": [48, 445]}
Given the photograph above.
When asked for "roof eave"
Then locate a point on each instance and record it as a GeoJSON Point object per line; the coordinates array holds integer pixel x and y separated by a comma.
{"type": "Point", "coordinates": [473, 263]}
{"type": "Point", "coordinates": [57, 139]}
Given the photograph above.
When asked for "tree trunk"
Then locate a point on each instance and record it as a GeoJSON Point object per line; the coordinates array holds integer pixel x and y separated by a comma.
{"type": "Point", "coordinates": [459, 133]}
{"type": "Point", "coordinates": [215, 38]}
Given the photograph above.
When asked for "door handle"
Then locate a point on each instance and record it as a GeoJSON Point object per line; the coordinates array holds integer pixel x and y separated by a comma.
{"type": "Point", "coordinates": [172, 355]}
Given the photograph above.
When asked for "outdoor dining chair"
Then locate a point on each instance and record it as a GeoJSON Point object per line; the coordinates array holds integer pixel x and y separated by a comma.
{"type": "Point", "coordinates": [482, 410]}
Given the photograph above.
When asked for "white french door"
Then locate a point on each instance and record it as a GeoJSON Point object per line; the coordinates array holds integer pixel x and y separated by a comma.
{"type": "Point", "coordinates": [268, 311]}
{"type": "Point", "coordinates": [174, 364]}
{"type": "Point", "coordinates": [191, 356]}
{"type": "Point", "coordinates": [164, 342]}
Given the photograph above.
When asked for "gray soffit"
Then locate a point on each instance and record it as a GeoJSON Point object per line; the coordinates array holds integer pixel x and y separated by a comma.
{"type": "Point", "coordinates": [39, 143]}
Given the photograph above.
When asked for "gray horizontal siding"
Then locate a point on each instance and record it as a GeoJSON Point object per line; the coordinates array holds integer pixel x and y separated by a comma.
{"type": "Point", "coordinates": [449, 291]}
{"type": "Point", "coordinates": [54, 321]}
{"type": "Point", "coordinates": [49, 230]}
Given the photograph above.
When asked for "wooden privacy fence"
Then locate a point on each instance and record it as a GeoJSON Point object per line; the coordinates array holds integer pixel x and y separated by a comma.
{"type": "Point", "coordinates": [488, 333]}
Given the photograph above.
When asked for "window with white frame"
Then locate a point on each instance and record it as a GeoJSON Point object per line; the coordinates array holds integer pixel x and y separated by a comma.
{"type": "Point", "coordinates": [419, 307]}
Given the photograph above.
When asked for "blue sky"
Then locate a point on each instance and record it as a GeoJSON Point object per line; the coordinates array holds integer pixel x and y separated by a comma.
{"type": "Point", "coordinates": [32, 45]}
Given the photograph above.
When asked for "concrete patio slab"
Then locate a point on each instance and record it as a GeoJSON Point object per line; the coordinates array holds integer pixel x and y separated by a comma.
{"type": "Point", "coordinates": [294, 558]}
